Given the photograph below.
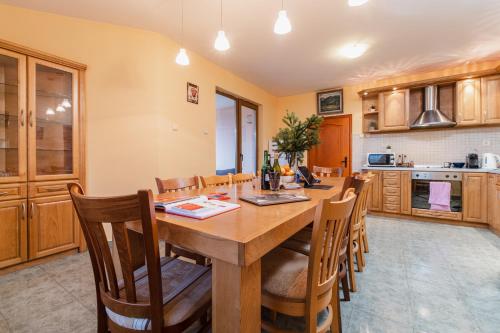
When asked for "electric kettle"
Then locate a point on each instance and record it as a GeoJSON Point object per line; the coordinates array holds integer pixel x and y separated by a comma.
{"type": "Point", "coordinates": [491, 161]}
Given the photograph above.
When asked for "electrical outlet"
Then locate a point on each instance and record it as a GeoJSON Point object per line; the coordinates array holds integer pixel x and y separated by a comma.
{"type": "Point", "coordinates": [486, 142]}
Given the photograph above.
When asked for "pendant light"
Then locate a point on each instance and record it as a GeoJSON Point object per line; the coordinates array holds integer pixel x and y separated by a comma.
{"type": "Point", "coordinates": [282, 25]}
{"type": "Point", "coordinates": [221, 42]}
{"type": "Point", "coordinates": [182, 57]}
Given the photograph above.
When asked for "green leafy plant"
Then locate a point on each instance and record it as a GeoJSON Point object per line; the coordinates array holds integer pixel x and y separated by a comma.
{"type": "Point", "coordinates": [297, 137]}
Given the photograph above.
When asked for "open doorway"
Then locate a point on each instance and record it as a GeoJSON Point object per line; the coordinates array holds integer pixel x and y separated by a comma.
{"type": "Point", "coordinates": [236, 135]}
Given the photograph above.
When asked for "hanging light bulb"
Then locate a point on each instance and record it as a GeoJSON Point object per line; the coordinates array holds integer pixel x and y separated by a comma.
{"type": "Point", "coordinates": [221, 42]}
{"type": "Point", "coordinates": [60, 108]}
{"type": "Point", "coordinates": [356, 3]}
{"type": "Point", "coordinates": [50, 112]}
{"type": "Point", "coordinates": [282, 25]}
{"type": "Point", "coordinates": [65, 103]}
{"type": "Point", "coordinates": [182, 57]}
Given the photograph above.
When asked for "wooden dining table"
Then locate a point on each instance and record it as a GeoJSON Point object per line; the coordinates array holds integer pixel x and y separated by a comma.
{"type": "Point", "coordinates": [236, 241]}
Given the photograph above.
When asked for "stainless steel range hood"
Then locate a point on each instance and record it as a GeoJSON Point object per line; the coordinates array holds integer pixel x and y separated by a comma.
{"type": "Point", "coordinates": [431, 117]}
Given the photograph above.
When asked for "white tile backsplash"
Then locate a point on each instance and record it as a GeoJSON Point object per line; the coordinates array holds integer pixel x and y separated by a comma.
{"type": "Point", "coordinates": [429, 147]}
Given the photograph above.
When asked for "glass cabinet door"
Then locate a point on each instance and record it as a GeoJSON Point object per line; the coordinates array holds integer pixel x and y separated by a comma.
{"type": "Point", "coordinates": [53, 119]}
{"type": "Point", "coordinates": [12, 117]}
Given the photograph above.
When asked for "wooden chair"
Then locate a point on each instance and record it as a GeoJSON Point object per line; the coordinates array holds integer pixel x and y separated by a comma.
{"type": "Point", "coordinates": [155, 294]}
{"type": "Point", "coordinates": [212, 181]}
{"type": "Point", "coordinates": [364, 212]}
{"type": "Point", "coordinates": [327, 172]}
{"type": "Point", "coordinates": [298, 285]}
{"type": "Point", "coordinates": [242, 178]}
{"type": "Point", "coordinates": [176, 185]}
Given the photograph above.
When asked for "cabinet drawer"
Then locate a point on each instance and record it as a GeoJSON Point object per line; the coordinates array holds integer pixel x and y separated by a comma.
{"type": "Point", "coordinates": [390, 208]}
{"type": "Point", "coordinates": [391, 174]}
{"type": "Point", "coordinates": [392, 182]}
{"type": "Point", "coordinates": [437, 214]}
{"type": "Point", "coordinates": [392, 191]}
{"type": "Point", "coordinates": [12, 191]}
{"type": "Point", "coordinates": [45, 189]}
{"type": "Point", "coordinates": [391, 199]}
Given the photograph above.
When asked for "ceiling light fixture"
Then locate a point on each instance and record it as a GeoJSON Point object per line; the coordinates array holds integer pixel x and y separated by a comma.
{"type": "Point", "coordinates": [50, 112]}
{"type": "Point", "coordinates": [65, 103]}
{"type": "Point", "coordinates": [357, 3]}
{"type": "Point", "coordinates": [353, 51]}
{"type": "Point", "coordinates": [182, 57]}
{"type": "Point", "coordinates": [60, 108]}
{"type": "Point", "coordinates": [282, 25]}
{"type": "Point", "coordinates": [221, 42]}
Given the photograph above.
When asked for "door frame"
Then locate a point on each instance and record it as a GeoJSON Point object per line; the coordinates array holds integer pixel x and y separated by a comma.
{"type": "Point", "coordinates": [239, 103]}
{"type": "Point", "coordinates": [349, 117]}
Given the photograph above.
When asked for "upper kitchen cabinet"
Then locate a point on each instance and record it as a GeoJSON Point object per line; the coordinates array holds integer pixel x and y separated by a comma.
{"type": "Point", "coordinates": [394, 110]}
{"type": "Point", "coordinates": [468, 110]}
{"type": "Point", "coordinates": [490, 88]}
{"type": "Point", "coordinates": [52, 121]}
{"type": "Point", "coordinates": [12, 117]}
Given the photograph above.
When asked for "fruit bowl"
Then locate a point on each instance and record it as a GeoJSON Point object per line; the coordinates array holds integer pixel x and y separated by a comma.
{"type": "Point", "coordinates": [287, 179]}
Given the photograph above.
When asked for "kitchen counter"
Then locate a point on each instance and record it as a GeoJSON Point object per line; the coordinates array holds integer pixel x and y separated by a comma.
{"type": "Point", "coordinates": [434, 169]}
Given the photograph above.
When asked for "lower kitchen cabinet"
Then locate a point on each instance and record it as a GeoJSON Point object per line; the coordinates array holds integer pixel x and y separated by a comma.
{"type": "Point", "coordinates": [495, 222]}
{"type": "Point", "coordinates": [406, 192]}
{"type": "Point", "coordinates": [475, 192]}
{"type": "Point", "coordinates": [13, 233]}
{"type": "Point", "coordinates": [375, 193]}
{"type": "Point", "coordinates": [53, 226]}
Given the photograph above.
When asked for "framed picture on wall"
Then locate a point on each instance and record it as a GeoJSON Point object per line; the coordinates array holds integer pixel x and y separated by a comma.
{"type": "Point", "coordinates": [330, 102]}
{"type": "Point", "coordinates": [192, 93]}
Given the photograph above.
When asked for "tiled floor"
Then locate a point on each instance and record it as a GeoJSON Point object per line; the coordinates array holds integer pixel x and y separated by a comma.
{"type": "Point", "coordinates": [420, 277]}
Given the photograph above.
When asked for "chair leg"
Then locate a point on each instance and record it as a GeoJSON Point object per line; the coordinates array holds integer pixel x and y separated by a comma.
{"type": "Point", "coordinates": [362, 253]}
{"type": "Point", "coordinates": [336, 325]}
{"type": "Point", "coordinates": [350, 262]}
{"type": "Point", "coordinates": [359, 258]}
{"type": "Point", "coordinates": [168, 249]}
{"type": "Point", "coordinates": [345, 288]}
{"type": "Point", "coordinates": [365, 240]}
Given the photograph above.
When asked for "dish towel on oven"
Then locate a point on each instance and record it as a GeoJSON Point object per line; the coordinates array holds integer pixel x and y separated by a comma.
{"type": "Point", "coordinates": [440, 195]}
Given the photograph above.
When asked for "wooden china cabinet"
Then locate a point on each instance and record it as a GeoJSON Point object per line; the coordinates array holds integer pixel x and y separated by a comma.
{"type": "Point", "coordinates": [41, 149]}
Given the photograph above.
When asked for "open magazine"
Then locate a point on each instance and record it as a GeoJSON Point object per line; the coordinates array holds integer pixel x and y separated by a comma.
{"type": "Point", "coordinates": [198, 208]}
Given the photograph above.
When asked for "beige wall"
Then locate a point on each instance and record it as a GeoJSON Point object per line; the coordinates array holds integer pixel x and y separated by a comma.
{"type": "Point", "coordinates": [136, 94]}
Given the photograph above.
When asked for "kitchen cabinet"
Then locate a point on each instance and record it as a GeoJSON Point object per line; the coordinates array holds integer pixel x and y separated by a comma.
{"type": "Point", "coordinates": [391, 191]}
{"type": "Point", "coordinates": [494, 202]}
{"type": "Point", "coordinates": [13, 233]}
{"type": "Point", "coordinates": [394, 110]}
{"type": "Point", "coordinates": [53, 226]}
{"type": "Point", "coordinates": [468, 102]}
{"type": "Point", "coordinates": [41, 150]}
{"type": "Point", "coordinates": [490, 99]}
{"type": "Point", "coordinates": [495, 222]}
{"type": "Point", "coordinates": [406, 192]}
{"type": "Point", "coordinates": [375, 193]}
{"type": "Point", "coordinates": [475, 190]}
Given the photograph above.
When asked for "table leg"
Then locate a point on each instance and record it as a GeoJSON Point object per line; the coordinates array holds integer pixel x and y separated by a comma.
{"type": "Point", "coordinates": [236, 299]}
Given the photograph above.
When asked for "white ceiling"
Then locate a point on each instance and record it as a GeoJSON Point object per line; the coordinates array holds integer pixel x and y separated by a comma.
{"type": "Point", "coordinates": [404, 35]}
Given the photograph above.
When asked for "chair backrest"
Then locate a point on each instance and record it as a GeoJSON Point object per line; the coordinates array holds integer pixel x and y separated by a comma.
{"type": "Point", "coordinates": [361, 204]}
{"type": "Point", "coordinates": [93, 213]}
{"type": "Point", "coordinates": [242, 178]}
{"type": "Point", "coordinates": [177, 184]}
{"type": "Point", "coordinates": [329, 222]}
{"type": "Point", "coordinates": [211, 181]}
{"type": "Point", "coordinates": [328, 172]}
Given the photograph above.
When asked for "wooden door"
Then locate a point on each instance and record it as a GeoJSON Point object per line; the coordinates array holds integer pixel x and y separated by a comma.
{"type": "Point", "coordinates": [475, 190]}
{"type": "Point", "coordinates": [490, 100]}
{"type": "Point", "coordinates": [13, 233]}
{"type": "Point", "coordinates": [375, 193]}
{"type": "Point", "coordinates": [53, 226]}
{"type": "Point", "coordinates": [394, 109]}
{"type": "Point", "coordinates": [406, 192]}
{"type": "Point", "coordinates": [334, 149]}
{"type": "Point", "coordinates": [12, 117]}
{"type": "Point", "coordinates": [53, 134]}
{"type": "Point", "coordinates": [469, 102]}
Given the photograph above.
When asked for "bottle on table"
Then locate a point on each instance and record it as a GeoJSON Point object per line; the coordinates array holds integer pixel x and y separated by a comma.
{"type": "Point", "coordinates": [264, 180]}
{"type": "Point", "coordinates": [276, 164]}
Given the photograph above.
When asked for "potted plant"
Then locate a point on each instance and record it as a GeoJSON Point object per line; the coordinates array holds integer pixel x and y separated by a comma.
{"type": "Point", "coordinates": [297, 137]}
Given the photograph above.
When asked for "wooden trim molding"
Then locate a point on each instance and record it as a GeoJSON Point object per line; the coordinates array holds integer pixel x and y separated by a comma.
{"type": "Point", "coordinates": [41, 55]}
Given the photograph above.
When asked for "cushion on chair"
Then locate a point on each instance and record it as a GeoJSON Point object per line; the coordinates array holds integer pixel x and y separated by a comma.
{"type": "Point", "coordinates": [284, 274]}
{"type": "Point", "coordinates": [182, 282]}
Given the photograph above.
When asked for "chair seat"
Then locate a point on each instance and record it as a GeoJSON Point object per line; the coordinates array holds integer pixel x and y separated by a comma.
{"type": "Point", "coordinates": [186, 287]}
{"type": "Point", "coordinates": [284, 275]}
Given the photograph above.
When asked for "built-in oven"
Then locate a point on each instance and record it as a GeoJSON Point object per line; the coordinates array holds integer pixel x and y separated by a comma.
{"type": "Point", "coordinates": [381, 159]}
{"type": "Point", "coordinates": [420, 184]}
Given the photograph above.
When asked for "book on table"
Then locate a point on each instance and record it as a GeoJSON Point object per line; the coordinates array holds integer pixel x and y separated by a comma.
{"type": "Point", "coordinates": [198, 208]}
{"type": "Point", "coordinates": [274, 198]}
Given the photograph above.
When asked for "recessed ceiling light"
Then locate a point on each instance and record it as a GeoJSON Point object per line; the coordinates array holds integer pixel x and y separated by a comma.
{"type": "Point", "coordinates": [365, 93]}
{"type": "Point", "coordinates": [356, 3]}
{"type": "Point", "coordinates": [353, 51]}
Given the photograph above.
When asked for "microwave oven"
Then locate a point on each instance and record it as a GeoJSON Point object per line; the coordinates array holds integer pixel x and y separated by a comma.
{"type": "Point", "coordinates": [381, 159]}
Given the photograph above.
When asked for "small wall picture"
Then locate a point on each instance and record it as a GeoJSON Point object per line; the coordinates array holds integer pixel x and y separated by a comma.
{"type": "Point", "coordinates": [330, 102]}
{"type": "Point", "coordinates": [192, 93]}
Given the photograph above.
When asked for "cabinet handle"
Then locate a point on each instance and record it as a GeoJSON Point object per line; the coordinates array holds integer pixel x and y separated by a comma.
{"type": "Point", "coordinates": [22, 117]}
{"type": "Point", "coordinates": [32, 209]}
{"type": "Point", "coordinates": [56, 189]}
{"type": "Point", "coordinates": [23, 205]}
{"type": "Point", "coordinates": [31, 118]}
{"type": "Point", "coordinates": [4, 193]}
